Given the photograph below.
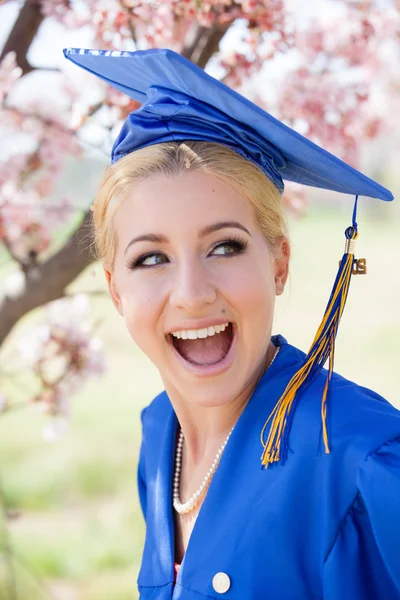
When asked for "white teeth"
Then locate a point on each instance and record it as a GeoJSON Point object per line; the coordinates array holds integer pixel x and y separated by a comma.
{"type": "Point", "coordinates": [193, 334]}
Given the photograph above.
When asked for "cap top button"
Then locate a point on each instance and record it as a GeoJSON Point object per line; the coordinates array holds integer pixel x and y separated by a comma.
{"type": "Point", "coordinates": [221, 582]}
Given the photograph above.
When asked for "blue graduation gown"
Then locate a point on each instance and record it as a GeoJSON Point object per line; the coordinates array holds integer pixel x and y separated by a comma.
{"type": "Point", "coordinates": [321, 527]}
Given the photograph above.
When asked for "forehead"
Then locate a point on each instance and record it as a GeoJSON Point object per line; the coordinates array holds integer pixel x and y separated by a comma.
{"type": "Point", "coordinates": [192, 201]}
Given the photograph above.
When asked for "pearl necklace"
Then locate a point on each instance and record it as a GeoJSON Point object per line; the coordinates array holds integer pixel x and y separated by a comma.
{"type": "Point", "coordinates": [185, 507]}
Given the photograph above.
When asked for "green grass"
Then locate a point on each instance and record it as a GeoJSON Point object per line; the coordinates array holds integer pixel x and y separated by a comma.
{"type": "Point", "coordinates": [76, 519]}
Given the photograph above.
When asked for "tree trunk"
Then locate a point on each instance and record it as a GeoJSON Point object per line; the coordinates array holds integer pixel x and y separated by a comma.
{"type": "Point", "coordinates": [208, 44]}
{"type": "Point", "coordinates": [48, 280]}
{"type": "Point", "coordinates": [23, 33]}
{"type": "Point", "coordinates": [203, 42]}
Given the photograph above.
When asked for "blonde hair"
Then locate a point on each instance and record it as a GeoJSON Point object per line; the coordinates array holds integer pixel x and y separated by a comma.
{"type": "Point", "coordinates": [176, 158]}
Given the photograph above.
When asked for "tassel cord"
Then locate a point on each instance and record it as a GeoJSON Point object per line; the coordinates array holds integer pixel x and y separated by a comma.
{"type": "Point", "coordinates": [276, 446]}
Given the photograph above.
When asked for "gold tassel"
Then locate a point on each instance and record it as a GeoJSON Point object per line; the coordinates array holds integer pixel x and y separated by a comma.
{"type": "Point", "coordinates": [323, 347]}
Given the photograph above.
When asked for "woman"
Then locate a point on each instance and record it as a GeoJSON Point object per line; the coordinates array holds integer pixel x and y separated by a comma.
{"type": "Point", "coordinates": [188, 224]}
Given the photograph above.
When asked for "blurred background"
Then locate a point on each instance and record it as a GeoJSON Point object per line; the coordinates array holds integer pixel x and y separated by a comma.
{"type": "Point", "coordinates": [72, 382]}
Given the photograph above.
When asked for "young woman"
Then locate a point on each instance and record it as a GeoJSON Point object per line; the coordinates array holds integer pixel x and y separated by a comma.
{"type": "Point", "coordinates": [189, 227]}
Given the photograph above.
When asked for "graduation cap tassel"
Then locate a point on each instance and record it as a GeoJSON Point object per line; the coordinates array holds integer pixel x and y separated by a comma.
{"type": "Point", "coordinates": [323, 348]}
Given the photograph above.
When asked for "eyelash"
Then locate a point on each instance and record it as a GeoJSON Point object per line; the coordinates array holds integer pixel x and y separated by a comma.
{"type": "Point", "coordinates": [238, 243]}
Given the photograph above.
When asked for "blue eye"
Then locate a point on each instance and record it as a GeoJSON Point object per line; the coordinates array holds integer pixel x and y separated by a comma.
{"type": "Point", "coordinates": [147, 261]}
{"type": "Point", "coordinates": [151, 260]}
{"type": "Point", "coordinates": [231, 247]}
{"type": "Point", "coordinates": [236, 246]}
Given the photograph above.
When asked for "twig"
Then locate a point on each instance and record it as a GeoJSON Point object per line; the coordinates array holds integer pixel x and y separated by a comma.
{"type": "Point", "coordinates": [59, 126]}
{"type": "Point", "coordinates": [129, 11]}
{"type": "Point", "coordinates": [10, 251]}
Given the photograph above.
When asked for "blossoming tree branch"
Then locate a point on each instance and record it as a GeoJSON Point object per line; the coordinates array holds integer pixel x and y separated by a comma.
{"type": "Point", "coordinates": [337, 67]}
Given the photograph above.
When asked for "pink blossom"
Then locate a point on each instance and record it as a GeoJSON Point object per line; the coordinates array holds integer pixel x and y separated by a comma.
{"type": "Point", "coordinates": [63, 352]}
{"type": "Point", "coordinates": [9, 74]}
{"type": "Point", "coordinates": [62, 11]}
{"type": "Point", "coordinates": [26, 223]}
{"type": "Point", "coordinates": [55, 8]}
{"type": "Point", "coordinates": [27, 178]}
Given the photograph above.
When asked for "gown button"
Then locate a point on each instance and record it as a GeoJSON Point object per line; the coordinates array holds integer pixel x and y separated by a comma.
{"type": "Point", "coordinates": [221, 582]}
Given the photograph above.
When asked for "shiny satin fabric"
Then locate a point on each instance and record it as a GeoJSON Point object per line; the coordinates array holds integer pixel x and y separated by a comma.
{"type": "Point", "coordinates": [168, 117]}
{"type": "Point", "coordinates": [321, 527]}
{"type": "Point", "coordinates": [180, 101]}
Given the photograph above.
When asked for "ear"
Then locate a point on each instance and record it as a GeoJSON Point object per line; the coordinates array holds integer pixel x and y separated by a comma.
{"type": "Point", "coordinates": [281, 262]}
{"type": "Point", "coordinates": [112, 287]}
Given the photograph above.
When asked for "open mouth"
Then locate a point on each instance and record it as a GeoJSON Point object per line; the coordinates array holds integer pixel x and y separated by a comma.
{"type": "Point", "coordinates": [207, 351]}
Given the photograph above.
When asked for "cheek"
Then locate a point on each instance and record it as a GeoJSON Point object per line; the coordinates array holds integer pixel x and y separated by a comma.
{"type": "Point", "coordinates": [252, 289]}
{"type": "Point", "coordinates": [141, 313]}
{"type": "Point", "coordinates": [253, 297]}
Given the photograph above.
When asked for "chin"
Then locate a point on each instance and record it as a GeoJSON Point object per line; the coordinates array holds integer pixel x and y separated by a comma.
{"type": "Point", "coordinates": [203, 393]}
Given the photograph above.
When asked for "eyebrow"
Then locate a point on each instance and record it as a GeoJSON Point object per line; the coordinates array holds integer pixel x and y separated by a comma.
{"type": "Point", "coordinates": [162, 239]}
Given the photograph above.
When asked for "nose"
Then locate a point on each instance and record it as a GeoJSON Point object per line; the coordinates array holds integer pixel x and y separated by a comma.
{"type": "Point", "coordinates": [192, 287]}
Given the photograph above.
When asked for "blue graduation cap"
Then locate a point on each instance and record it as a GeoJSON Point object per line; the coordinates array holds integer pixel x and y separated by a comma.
{"type": "Point", "coordinates": [181, 102]}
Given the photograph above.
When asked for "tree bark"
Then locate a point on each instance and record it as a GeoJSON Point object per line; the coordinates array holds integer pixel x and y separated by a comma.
{"type": "Point", "coordinates": [48, 281]}
{"type": "Point", "coordinates": [22, 34]}
{"type": "Point", "coordinates": [203, 42]}
{"type": "Point", "coordinates": [208, 44]}
{"type": "Point", "coordinates": [193, 38]}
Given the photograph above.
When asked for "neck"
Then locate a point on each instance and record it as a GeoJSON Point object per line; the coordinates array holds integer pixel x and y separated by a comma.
{"type": "Point", "coordinates": [205, 428]}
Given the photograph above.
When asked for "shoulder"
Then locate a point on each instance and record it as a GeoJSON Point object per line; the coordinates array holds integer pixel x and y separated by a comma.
{"type": "Point", "coordinates": [359, 417]}
{"type": "Point", "coordinates": [361, 473]}
{"type": "Point", "coordinates": [359, 420]}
